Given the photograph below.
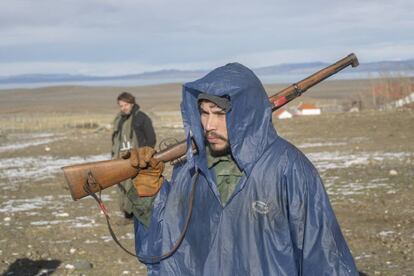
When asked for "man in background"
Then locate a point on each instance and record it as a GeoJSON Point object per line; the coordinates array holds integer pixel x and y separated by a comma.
{"type": "Point", "coordinates": [132, 129]}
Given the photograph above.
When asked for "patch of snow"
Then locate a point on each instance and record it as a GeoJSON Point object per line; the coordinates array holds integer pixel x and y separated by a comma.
{"type": "Point", "coordinates": [363, 256]}
{"type": "Point", "coordinates": [386, 233]}
{"type": "Point", "coordinates": [17, 146]}
{"type": "Point", "coordinates": [60, 214]}
{"type": "Point", "coordinates": [69, 266]}
{"type": "Point", "coordinates": [39, 135]}
{"type": "Point", "coordinates": [84, 224]}
{"type": "Point", "coordinates": [46, 222]}
{"type": "Point", "coordinates": [21, 205]}
{"type": "Point", "coordinates": [79, 222]}
{"type": "Point", "coordinates": [128, 236]}
{"type": "Point", "coordinates": [350, 188]}
{"type": "Point", "coordinates": [324, 161]}
{"type": "Point", "coordinates": [25, 140]}
{"type": "Point", "coordinates": [89, 241]}
{"type": "Point", "coordinates": [379, 180]}
{"type": "Point", "coordinates": [18, 170]}
{"type": "Point", "coordinates": [321, 144]}
{"type": "Point", "coordinates": [62, 241]}
{"type": "Point", "coordinates": [32, 213]}
{"type": "Point", "coordinates": [106, 238]}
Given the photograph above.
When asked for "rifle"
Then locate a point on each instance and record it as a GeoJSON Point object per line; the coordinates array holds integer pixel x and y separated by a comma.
{"type": "Point", "coordinates": [85, 179]}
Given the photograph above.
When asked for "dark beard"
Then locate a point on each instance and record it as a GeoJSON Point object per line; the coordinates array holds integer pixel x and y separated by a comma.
{"type": "Point", "coordinates": [218, 153]}
{"type": "Point", "coordinates": [126, 115]}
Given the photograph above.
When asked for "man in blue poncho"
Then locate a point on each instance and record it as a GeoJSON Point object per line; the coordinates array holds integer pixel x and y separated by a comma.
{"type": "Point", "coordinates": [249, 203]}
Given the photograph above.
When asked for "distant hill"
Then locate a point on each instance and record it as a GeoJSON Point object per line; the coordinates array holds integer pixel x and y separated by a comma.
{"type": "Point", "coordinates": [370, 67]}
{"type": "Point", "coordinates": [270, 74]}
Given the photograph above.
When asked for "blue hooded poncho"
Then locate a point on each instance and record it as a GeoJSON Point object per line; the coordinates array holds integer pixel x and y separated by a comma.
{"type": "Point", "coordinates": [277, 222]}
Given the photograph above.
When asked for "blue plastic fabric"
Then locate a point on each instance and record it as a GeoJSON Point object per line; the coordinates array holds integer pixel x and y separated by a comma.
{"type": "Point", "coordinates": [278, 221]}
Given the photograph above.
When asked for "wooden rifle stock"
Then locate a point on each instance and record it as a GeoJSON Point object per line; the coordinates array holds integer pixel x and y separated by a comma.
{"type": "Point", "coordinates": [100, 175]}
{"type": "Point", "coordinates": [103, 174]}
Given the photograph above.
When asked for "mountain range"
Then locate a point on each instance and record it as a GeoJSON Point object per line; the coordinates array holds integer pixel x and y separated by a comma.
{"type": "Point", "coordinates": [276, 73]}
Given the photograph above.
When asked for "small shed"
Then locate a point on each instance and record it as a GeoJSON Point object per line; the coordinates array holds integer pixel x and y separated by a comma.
{"type": "Point", "coordinates": [282, 114]}
{"type": "Point", "coordinates": [308, 109]}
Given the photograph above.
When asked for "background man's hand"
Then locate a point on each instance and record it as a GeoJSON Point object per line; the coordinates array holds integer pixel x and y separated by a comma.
{"type": "Point", "coordinates": [125, 154]}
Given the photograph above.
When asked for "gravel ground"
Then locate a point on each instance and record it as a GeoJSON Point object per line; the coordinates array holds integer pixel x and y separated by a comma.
{"type": "Point", "coordinates": [366, 161]}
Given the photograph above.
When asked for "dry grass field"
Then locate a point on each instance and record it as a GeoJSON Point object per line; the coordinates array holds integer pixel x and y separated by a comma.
{"type": "Point", "coordinates": [366, 160]}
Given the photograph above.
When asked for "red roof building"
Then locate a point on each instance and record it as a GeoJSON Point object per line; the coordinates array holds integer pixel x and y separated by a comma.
{"type": "Point", "coordinates": [308, 109]}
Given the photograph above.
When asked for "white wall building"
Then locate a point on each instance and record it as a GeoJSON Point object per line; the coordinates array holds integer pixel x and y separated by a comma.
{"type": "Point", "coordinates": [308, 109]}
{"type": "Point", "coordinates": [283, 114]}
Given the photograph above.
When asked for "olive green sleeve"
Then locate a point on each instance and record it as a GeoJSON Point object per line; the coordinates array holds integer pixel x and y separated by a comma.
{"type": "Point", "coordinates": [141, 206]}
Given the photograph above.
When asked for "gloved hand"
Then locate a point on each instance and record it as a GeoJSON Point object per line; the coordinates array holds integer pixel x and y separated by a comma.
{"type": "Point", "coordinates": [149, 179]}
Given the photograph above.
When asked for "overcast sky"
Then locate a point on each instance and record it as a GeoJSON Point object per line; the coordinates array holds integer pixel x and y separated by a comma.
{"type": "Point", "coordinates": [111, 37]}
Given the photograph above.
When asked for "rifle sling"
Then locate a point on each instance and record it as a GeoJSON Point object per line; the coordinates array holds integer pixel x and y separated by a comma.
{"type": "Point", "coordinates": [91, 182]}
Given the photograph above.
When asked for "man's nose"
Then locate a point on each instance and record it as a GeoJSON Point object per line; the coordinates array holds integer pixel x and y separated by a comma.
{"type": "Point", "coordinates": [211, 123]}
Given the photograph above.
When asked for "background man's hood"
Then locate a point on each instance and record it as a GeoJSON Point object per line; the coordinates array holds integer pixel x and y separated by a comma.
{"type": "Point", "coordinates": [249, 121]}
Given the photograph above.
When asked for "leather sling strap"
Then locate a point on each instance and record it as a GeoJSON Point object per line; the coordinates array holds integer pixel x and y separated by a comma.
{"type": "Point", "coordinates": [91, 182]}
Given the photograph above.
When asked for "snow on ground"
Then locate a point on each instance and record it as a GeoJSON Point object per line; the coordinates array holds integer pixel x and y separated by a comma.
{"type": "Point", "coordinates": [22, 205]}
{"type": "Point", "coordinates": [77, 222]}
{"type": "Point", "coordinates": [321, 144]}
{"type": "Point", "coordinates": [344, 188]}
{"type": "Point", "coordinates": [324, 161]}
{"type": "Point", "coordinates": [21, 141]}
{"type": "Point", "coordinates": [55, 204]}
{"type": "Point", "coordinates": [22, 169]}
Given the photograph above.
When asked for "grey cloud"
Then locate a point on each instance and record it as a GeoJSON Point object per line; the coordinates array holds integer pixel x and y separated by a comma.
{"type": "Point", "coordinates": [204, 16]}
{"type": "Point", "coordinates": [188, 31]}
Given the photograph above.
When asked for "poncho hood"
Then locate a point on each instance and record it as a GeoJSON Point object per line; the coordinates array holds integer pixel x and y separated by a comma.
{"type": "Point", "coordinates": [249, 121]}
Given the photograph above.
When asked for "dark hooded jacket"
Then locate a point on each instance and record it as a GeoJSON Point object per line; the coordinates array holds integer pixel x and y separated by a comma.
{"type": "Point", "coordinates": [277, 222]}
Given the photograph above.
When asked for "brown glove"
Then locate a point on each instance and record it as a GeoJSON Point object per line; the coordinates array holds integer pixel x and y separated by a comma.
{"type": "Point", "coordinates": [149, 179]}
{"type": "Point", "coordinates": [141, 157]}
